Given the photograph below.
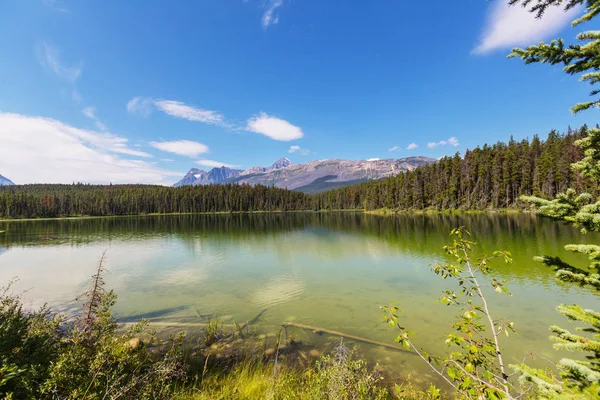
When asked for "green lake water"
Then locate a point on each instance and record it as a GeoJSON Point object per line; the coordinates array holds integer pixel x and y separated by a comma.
{"type": "Point", "coordinates": [331, 270]}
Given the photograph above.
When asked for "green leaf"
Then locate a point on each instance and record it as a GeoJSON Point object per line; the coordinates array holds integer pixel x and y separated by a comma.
{"type": "Point", "coordinates": [451, 373]}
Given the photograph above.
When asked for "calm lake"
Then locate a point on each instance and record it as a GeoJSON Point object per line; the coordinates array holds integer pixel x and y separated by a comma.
{"type": "Point", "coordinates": [331, 270]}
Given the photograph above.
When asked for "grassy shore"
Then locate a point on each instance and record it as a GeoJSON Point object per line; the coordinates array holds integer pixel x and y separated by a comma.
{"type": "Point", "coordinates": [387, 211]}
{"type": "Point", "coordinates": [381, 211]}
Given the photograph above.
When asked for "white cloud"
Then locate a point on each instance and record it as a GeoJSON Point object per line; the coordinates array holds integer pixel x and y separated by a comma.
{"type": "Point", "coordinates": [145, 105]}
{"type": "Point", "coordinates": [36, 149]}
{"type": "Point", "coordinates": [394, 148]}
{"type": "Point", "coordinates": [167, 160]}
{"type": "Point", "coordinates": [271, 16]}
{"type": "Point", "coordinates": [298, 149]}
{"type": "Point", "coordinates": [181, 110]}
{"type": "Point", "coordinates": [57, 5]}
{"type": "Point", "coordinates": [275, 128]}
{"type": "Point", "coordinates": [90, 112]}
{"type": "Point", "coordinates": [49, 57]}
{"type": "Point", "coordinates": [182, 147]}
{"type": "Point", "coordinates": [510, 26]}
{"type": "Point", "coordinates": [214, 164]}
{"type": "Point", "coordinates": [412, 146]}
{"type": "Point", "coordinates": [140, 105]}
{"type": "Point", "coordinates": [452, 142]}
{"type": "Point", "coordinates": [373, 159]}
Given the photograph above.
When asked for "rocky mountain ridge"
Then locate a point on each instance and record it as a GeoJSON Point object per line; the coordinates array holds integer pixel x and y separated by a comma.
{"type": "Point", "coordinates": [4, 181]}
{"type": "Point", "coordinates": [310, 177]}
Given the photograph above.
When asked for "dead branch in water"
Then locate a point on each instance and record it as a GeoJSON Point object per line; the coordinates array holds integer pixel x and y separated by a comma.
{"type": "Point", "coordinates": [344, 335]}
{"type": "Point", "coordinates": [245, 324]}
{"type": "Point", "coordinates": [93, 296]}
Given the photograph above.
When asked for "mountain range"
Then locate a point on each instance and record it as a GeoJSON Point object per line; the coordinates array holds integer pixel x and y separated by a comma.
{"type": "Point", "coordinates": [5, 181]}
{"type": "Point", "coordinates": [311, 177]}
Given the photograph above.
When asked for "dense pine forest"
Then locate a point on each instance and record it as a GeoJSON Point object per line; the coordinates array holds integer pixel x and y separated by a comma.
{"type": "Point", "coordinates": [488, 177]}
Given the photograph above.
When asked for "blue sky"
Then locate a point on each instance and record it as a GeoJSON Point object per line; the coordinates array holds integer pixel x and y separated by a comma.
{"type": "Point", "coordinates": [141, 91]}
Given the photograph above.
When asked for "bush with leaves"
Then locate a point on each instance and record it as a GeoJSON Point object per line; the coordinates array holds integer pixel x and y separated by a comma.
{"type": "Point", "coordinates": [475, 368]}
{"type": "Point", "coordinates": [339, 377]}
{"type": "Point", "coordinates": [29, 344]}
{"type": "Point", "coordinates": [44, 356]}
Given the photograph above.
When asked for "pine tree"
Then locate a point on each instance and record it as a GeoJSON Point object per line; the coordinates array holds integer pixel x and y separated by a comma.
{"type": "Point", "coordinates": [580, 209]}
{"type": "Point", "coordinates": [577, 58]}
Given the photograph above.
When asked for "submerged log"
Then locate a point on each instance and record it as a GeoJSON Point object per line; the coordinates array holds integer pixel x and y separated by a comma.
{"type": "Point", "coordinates": [345, 335]}
{"type": "Point", "coordinates": [175, 324]}
{"type": "Point", "coordinates": [231, 336]}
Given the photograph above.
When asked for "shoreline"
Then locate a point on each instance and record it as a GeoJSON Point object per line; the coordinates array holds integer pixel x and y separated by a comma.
{"type": "Point", "coordinates": [380, 212]}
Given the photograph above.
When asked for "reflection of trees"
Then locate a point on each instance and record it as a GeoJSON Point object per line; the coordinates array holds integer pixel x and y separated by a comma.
{"type": "Point", "coordinates": [525, 235]}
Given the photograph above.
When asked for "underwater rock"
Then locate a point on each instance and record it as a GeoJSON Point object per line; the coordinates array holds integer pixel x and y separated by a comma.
{"type": "Point", "coordinates": [134, 343]}
{"type": "Point", "coordinates": [269, 352]}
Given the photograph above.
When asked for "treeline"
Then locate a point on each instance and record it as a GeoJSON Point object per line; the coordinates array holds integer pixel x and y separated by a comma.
{"type": "Point", "coordinates": [51, 201]}
{"type": "Point", "coordinates": [486, 177]}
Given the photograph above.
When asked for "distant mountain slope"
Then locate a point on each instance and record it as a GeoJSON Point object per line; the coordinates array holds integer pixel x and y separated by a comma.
{"type": "Point", "coordinates": [323, 184]}
{"type": "Point", "coordinates": [4, 181]}
{"type": "Point", "coordinates": [312, 177]}
{"type": "Point", "coordinates": [322, 175]}
{"type": "Point", "coordinates": [197, 177]}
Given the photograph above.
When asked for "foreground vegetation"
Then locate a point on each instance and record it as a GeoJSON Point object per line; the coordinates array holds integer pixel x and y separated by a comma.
{"type": "Point", "coordinates": [46, 356]}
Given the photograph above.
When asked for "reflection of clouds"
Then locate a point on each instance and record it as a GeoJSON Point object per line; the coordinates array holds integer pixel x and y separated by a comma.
{"type": "Point", "coordinates": [58, 274]}
{"type": "Point", "coordinates": [278, 290]}
{"type": "Point", "coordinates": [3, 250]}
{"type": "Point", "coordinates": [183, 277]}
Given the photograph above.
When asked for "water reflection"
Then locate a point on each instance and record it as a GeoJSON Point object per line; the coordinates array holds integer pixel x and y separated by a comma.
{"type": "Point", "coordinates": [332, 270]}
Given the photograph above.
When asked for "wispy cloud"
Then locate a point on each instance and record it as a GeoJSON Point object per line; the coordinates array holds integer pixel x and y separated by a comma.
{"type": "Point", "coordinates": [214, 164]}
{"type": "Point", "coordinates": [56, 4]}
{"type": "Point", "coordinates": [181, 110]}
{"type": "Point", "coordinates": [451, 142]}
{"type": "Point", "coordinates": [510, 26]}
{"type": "Point", "coordinates": [273, 127]}
{"type": "Point", "coordinates": [186, 148]}
{"type": "Point", "coordinates": [412, 146]}
{"type": "Point", "coordinates": [50, 58]}
{"type": "Point", "coordinates": [37, 149]}
{"type": "Point", "coordinates": [299, 150]}
{"type": "Point", "coordinates": [145, 105]}
{"type": "Point", "coordinates": [373, 159]}
{"type": "Point", "coordinates": [394, 148]}
{"type": "Point", "coordinates": [140, 106]}
{"type": "Point", "coordinates": [271, 15]}
{"type": "Point", "coordinates": [76, 96]}
{"type": "Point", "coordinates": [90, 112]}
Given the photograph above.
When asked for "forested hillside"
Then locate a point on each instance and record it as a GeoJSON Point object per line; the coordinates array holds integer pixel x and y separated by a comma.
{"type": "Point", "coordinates": [487, 177]}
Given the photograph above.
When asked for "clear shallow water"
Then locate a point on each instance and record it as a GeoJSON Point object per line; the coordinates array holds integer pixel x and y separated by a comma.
{"type": "Point", "coordinates": [329, 270]}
